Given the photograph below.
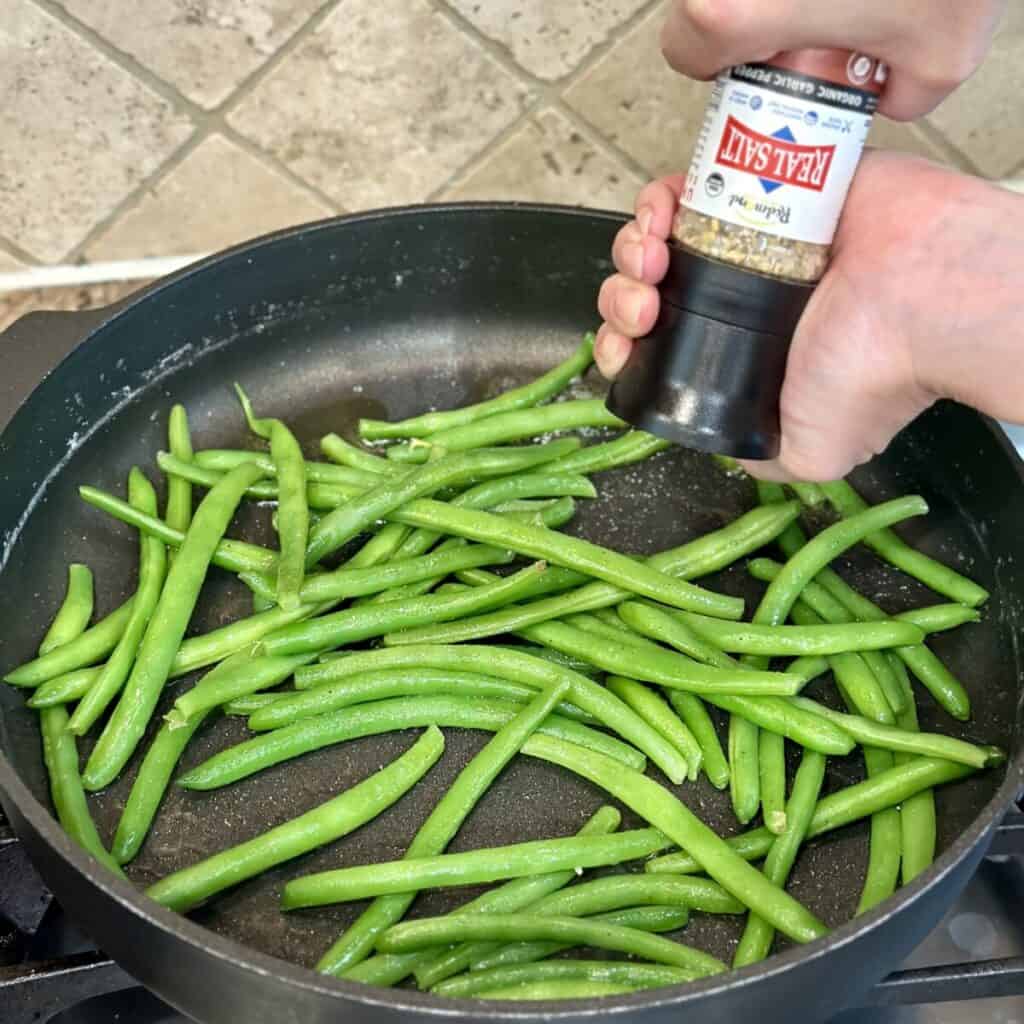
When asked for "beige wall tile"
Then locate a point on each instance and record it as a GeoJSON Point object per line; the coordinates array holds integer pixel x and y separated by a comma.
{"type": "Point", "coordinates": [548, 160]}
{"type": "Point", "coordinates": [217, 196]}
{"type": "Point", "coordinates": [203, 49]}
{"type": "Point", "coordinates": [635, 100]}
{"type": "Point", "coordinates": [984, 118]}
{"type": "Point", "coordinates": [80, 133]}
{"type": "Point", "coordinates": [8, 264]}
{"type": "Point", "coordinates": [382, 104]}
{"type": "Point", "coordinates": [547, 38]}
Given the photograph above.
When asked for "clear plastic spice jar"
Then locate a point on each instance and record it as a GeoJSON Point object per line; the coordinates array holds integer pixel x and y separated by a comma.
{"type": "Point", "coordinates": [778, 149]}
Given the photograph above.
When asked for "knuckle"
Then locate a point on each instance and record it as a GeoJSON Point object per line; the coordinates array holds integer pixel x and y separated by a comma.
{"type": "Point", "coordinates": [720, 20]}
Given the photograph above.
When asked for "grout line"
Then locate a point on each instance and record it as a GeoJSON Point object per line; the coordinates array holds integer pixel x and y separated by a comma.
{"type": "Point", "coordinates": [599, 140]}
{"type": "Point", "coordinates": [16, 252]}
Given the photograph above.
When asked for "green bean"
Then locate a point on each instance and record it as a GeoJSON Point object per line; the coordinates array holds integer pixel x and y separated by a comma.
{"type": "Point", "coordinates": [561, 988]}
{"type": "Point", "coordinates": [513, 927]}
{"type": "Point", "coordinates": [885, 841]}
{"type": "Point", "coordinates": [524, 977]}
{"type": "Point", "coordinates": [383, 716]}
{"type": "Point", "coordinates": [654, 664]}
{"type": "Point", "coordinates": [444, 821]}
{"type": "Point", "coordinates": [64, 689]}
{"type": "Point", "coordinates": [808, 493]}
{"type": "Point", "coordinates": [555, 657]}
{"type": "Point", "coordinates": [61, 758]}
{"type": "Point", "coordinates": [221, 460]}
{"type": "Point", "coordinates": [515, 425]}
{"type": "Point", "coordinates": [940, 578]}
{"type": "Point", "coordinates": [659, 715]}
{"type": "Point", "coordinates": [344, 522]}
{"type": "Point", "coordinates": [178, 513]}
{"type": "Point", "coordinates": [645, 919]}
{"type": "Point", "coordinates": [660, 808]}
{"type": "Point", "coordinates": [406, 682]}
{"type": "Point", "coordinates": [692, 711]}
{"type": "Point", "coordinates": [345, 454]}
{"type": "Point", "coordinates": [75, 611]}
{"type": "Point", "coordinates": [758, 934]}
{"type": "Point", "coordinates": [365, 621]}
{"type": "Point", "coordinates": [744, 767]}
{"type": "Point", "coordinates": [887, 789]}
{"type": "Point", "coordinates": [152, 567]}
{"type": "Point", "coordinates": [888, 737]}
{"type": "Point", "coordinates": [511, 896]}
{"type": "Point", "coordinates": [634, 446]}
{"type": "Point", "coordinates": [472, 867]}
{"type": "Point", "coordinates": [253, 702]}
{"type": "Point", "coordinates": [780, 641]}
{"type": "Point", "coordinates": [544, 387]}
{"type": "Point", "coordinates": [658, 623]}
{"type": "Point", "coordinates": [771, 771]}
{"type": "Point", "coordinates": [337, 817]}
{"type": "Point", "coordinates": [347, 582]}
{"type": "Point", "coordinates": [917, 812]}
{"type": "Point", "coordinates": [165, 630]}
{"type": "Point", "coordinates": [293, 528]}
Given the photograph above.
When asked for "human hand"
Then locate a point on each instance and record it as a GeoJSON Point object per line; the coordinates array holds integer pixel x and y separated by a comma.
{"type": "Point", "coordinates": [930, 46]}
{"type": "Point", "coordinates": [921, 301]}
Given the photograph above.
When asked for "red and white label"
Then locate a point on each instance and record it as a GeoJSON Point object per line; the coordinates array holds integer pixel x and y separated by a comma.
{"type": "Point", "coordinates": [781, 142]}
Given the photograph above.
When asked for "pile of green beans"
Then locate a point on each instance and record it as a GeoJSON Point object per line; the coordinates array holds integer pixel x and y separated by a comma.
{"type": "Point", "coordinates": [368, 616]}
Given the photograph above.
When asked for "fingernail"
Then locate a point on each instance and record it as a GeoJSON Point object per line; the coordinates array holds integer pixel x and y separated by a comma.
{"type": "Point", "coordinates": [629, 304]}
{"type": "Point", "coordinates": [633, 257]}
{"type": "Point", "coordinates": [643, 219]}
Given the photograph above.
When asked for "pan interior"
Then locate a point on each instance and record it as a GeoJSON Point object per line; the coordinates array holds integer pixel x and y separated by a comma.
{"type": "Point", "coordinates": [381, 321]}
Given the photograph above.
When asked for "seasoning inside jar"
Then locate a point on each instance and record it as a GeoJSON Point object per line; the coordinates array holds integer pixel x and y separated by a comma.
{"type": "Point", "coordinates": [769, 175]}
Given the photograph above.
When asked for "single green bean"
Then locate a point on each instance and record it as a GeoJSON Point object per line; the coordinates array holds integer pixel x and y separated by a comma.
{"type": "Point", "coordinates": [383, 716]}
{"type": "Point", "coordinates": [511, 896]}
{"type": "Point", "coordinates": [346, 454]}
{"type": "Point", "coordinates": [634, 446]}
{"type": "Point", "coordinates": [521, 977]}
{"type": "Point", "coordinates": [75, 611]}
{"type": "Point", "coordinates": [645, 919]}
{"type": "Point", "coordinates": [654, 710]}
{"type": "Point", "coordinates": [758, 934]}
{"type": "Point", "coordinates": [555, 657]}
{"type": "Point", "coordinates": [60, 756]}
{"type": "Point", "coordinates": [885, 841]}
{"type": "Point", "coordinates": [658, 623]}
{"type": "Point", "coordinates": [66, 688]}
{"type": "Point", "coordinates": [771, 770]}
{"type": "Point", "coordinates": [544, 387]}
{"type": "Point", "coordinates": [515, 425]}
{"type": "Point", "coordinates": [940, 578]}
{"type": "Point", "coordinates": [178, 513]}
{"type": "Point", "coordinates": [337, 817]}
{"type": "Point", "coordinates": [559, 988]}
{"type": "Point", "coordinates": [664, 811]}
{"type": "Point", "coordinates": [917, 812]}
{"type": "Point", "coordinates": [379, 685]}
{"type": "Point", "coordinates": [253, 702]}
{"type": "Point", "coordinates": [692, 711]}
{"type": "Point", "coordinates": [443, 822]}
{"type": "Point", "coordinates": [152, 568]}
{"type": "Point", "coordinates": [782, 641]}
{"type": "Point", "coordinates": [744, 767]}
{"type": "Point", "coordinates": [221, 460]}
{"type": "Point", "coordinates": [365, 621]}
{"type": "Point", "coordinates": [164, 633]}
{"type": "Point", "coordinates": [808, 493]}
{"type": "Point", "coordinates": [887, 789]}
{"type": "Point", "coordinates": [293, 524]}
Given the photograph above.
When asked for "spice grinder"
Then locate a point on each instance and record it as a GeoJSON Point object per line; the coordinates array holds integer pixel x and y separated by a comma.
{"type": "Point", "coordinates": [770, 172]}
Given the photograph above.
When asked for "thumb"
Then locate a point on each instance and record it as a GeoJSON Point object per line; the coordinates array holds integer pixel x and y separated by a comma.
{"type": "Point", "coordinates": [850, 387]}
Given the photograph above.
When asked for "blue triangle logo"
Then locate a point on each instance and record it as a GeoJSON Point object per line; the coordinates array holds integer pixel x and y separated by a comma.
{"type": "Point", "coordinates": [787, 136]}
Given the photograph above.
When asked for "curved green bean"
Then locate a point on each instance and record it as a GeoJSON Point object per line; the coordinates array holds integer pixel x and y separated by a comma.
{"type": "Point", "coordinates": [178, 513]}
{"type": "Point", "coordinates": [222, 460]}
{"type": "Point", "coordinates": [757, 937]}
{"type": "Point", "coordinates": [515, 425]}
{"type": "Point", "coordinates": [66, 688]}
{"type": "Point", "coordinates": [940, 578]}
{"type": "Point", "coordinates": [511, 896]}
{"type": "Point", "coordinates": [560, 988]}
{"type": "Point", "coordinates": [885, 841]}
{"type": "Point", "coordinates": [75, 611]}
{"type": "Point", "coordinates": [524, 976]}
{"type": "Point", "coordinates": [692, 711]}
{"type": "Point", "coordinates": [253, 702]}
{"type": "Point", "coordinates": [544, 387]}
{"type": "Point", "coordinates": [382, 716]}
{"type": "Point", "coordinates": [346, 454]}
{"type": "Point", "coordinates": [152, 568]}
{"type": "Point", "coordinates": [164, 633]}
{"type": "Point", "coordinates": [634, 446]}
{"type": "Point", "coordinates": [808, 493]}
{"type": "Point", "coordinates": [862, 799]}
{"type": "Point", "coordinates": [337, 817]}
{"type": "Point", "coordinates": [659, 624]}
{"type": "Point", "coordinates": [356, 942]}
{"type": "Point", "coordinates": [654, 710]}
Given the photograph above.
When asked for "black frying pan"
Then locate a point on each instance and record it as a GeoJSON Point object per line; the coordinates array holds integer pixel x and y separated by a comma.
{"type": "Point", "coordinates": [386, 314]}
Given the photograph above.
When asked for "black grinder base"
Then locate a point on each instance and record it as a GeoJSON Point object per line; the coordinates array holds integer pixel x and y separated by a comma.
{"type": "Point", "coordinates": [709, 374]}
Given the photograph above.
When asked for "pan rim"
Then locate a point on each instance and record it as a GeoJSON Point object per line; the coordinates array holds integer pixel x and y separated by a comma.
{"type": "Point", "coordinates": [248, 959]}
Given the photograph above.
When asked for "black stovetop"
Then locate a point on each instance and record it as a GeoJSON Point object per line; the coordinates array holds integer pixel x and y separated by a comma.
{"type": "Point", "coordinates": [968, 971]}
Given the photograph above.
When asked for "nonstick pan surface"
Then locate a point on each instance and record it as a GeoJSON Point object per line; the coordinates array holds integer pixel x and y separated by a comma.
{"type": "Point", "coordinates": [416, 310]}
